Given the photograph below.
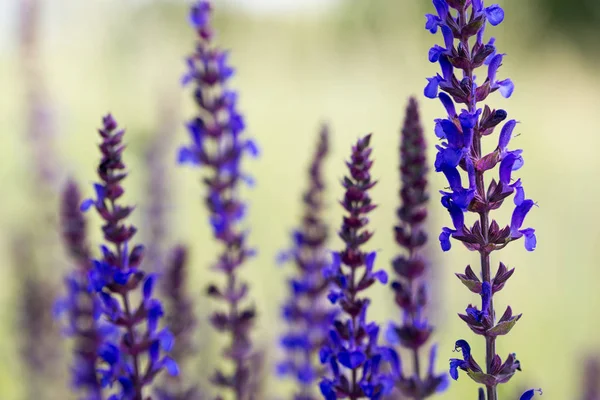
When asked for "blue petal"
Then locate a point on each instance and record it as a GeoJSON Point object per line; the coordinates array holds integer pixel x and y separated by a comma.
{"type": "Point", "coordinates": [491, 42]}
{"type": "Point", "coordinates": [326, 388]}
{"type": "Point", "coordinates": [171, 366]}
{"type": "Point", "coordinates": [391, 335]}
{"type": "Point", "coordinates": [431, 89]}
{"type": "Point", "coordinates": [86, 205]}
{"type": "Point", "coordinates": [185, 155]}
{"type": "Point", "coordinates": [441, 7]}
{"type": "Point", "coordinates": [432, 23]}
{"type": "Point", "coordinates": [324, 354]}
{"type": "Point", "coordinates": [166, 339]}
{"type": "Point", "coordinates": [458, 217]}
{"type": "Point", "coordinates": [154, 352]}
{"type": "Point", "coordinates": [448, 37]}
{"type": "Point", "coordinates": [109, 353]}
{"type": "Point", "coordinates": [519, 193]}
{"type": "Point", "coordinates": [447, 158]}
{"type": "Point", "coordinates": [196, 130]}
{"type": "Point", "coordinates": [495, 63]}
{"type": "Point", "coordinates": [506, 134]}
{"type": "Point", "coordinates": [306, 374]}
{"type": "Point", "coordinates": [448, 104]}
{"type": "Point", "coordinates": [454, 364]}
{"type": "Point", "coordinates": [334, 296]}
{"type": "Point", "coordinates": [149, 286]}
{"type": "Point", "coordinates": [352, 359]}
{"type": "Point", "coordinates": [381, 276]}
{"type": "Point", "coordinates": [445, 239]}
{"type": "Point", "coordinates": [435, 52]}
{"type": "Point", "coordinates": [453, 177]}
{"type": "Point", "coordinates": [519, 215]}
{"type": "Point", "coordinates": [464, 347]}
{"type": "Point", "coordinates": [438, 130]}
{"type": "Point", "coordinates": [506, 87]}
{"type": "Point", "coordinates": [528, 395]}
{"type": "Point", "coordinates": [530, 239]}
{"type": "Point", "coordinates": [447, 69]}
{"type": "Point", "coordinates": [506, 167]}
{"type": "Point", "coordinates": [494, 14]}
{"type": "Point", "coordinates": [452, 133]}
{"type": "Point", "coordinates": [252, 148]}
{"type": "Point", "coordinates": [100, 192]}
{"type": "Point", "coordinates": [370, 260]}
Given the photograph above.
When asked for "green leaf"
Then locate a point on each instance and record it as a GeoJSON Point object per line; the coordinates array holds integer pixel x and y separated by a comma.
{"type": "Point", "coordinates": [503, 327]}
{"type": "Point", "coordinates": [483, 378]}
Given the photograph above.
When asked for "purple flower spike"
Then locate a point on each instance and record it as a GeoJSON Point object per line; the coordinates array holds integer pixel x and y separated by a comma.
{"type": "Point", "coordinates": [179, 314]}
{"type": "Point", "coordinates": [306, 311]}
{"type": "Point", "coordinates": [410, 268]}
{"type": "Point", "coordinates": [352, 354]}
{"type": "Point", "coordinates": [461, 159]}
{"type": "Point", "coordinates": [218, 145]}
{"type": "Point", "coordinates": [136, 351]}
{"type": "Point", "coordinates": [81, 305]}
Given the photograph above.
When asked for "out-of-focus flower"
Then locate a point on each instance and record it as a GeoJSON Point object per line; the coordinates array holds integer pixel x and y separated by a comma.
{"type": "Point", "coordinates": [358, 366]}
{"type": "Point", "coordinates": [218, 146]}
{"type": "Point", "coordinates": [306, 311]}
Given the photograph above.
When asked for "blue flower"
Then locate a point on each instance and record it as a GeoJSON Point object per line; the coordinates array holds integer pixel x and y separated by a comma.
{"type": "Point", "coordinates": [458, 220]}
{"type": "Point", "coordinates": [517, 220]}
{"type": "Point", "coordinates": [528, 395]}
{"type": "Point", "coordinates": [505, 86]}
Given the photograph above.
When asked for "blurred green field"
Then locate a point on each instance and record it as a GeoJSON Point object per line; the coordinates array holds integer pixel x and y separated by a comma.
{"type": "Point", "coordinates": [295, 71]}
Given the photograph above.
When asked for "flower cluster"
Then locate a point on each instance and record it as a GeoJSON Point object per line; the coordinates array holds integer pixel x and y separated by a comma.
{"type": "Point", "coordinates": [358, 366]}
{"type": "Point", "coordinates": [80, 304]}
{"type": "Point", "coordinates": [182, 322]}
{"type": "Point", "coordinates": [218, 146]}
{"type": "Point", "coordinates": [461, 150]}
{"type": "Point", "coordinates": [410, 288]}
{"type": "Point", "coordinates": [136, 355]}
{"type": "Point", "coordinates": [308, 317]}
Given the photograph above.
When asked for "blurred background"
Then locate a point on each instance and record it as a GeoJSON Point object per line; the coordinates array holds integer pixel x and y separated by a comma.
{"type": "Point", "coordinates": [352, 63]}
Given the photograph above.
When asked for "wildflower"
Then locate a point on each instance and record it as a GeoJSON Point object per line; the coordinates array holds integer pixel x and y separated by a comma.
{"type": "Point", "coordinates": [181, 320]}
{"type": "Point", "coordinates": [461, 150]}
{"type": "Point", "coordinates": [409, 287]}
{"type": "Point", "coordinates": [218, 146]}
{"type": "Point", "coordinates": [116, 276]}
{"type": "Point", "coordinates": [356, 361]}
{"type": "Point", "coordinates": [80, 304]}
{"type": "Point", "coordinates": [305, 311]}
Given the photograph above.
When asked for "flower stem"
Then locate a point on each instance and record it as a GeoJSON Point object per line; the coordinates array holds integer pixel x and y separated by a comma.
{"type": "Point", "coordinates": [490, 341]}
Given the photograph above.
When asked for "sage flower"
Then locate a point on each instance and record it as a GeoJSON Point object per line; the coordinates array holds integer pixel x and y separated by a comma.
{"type": "Point", "coordinates": [462, 24]}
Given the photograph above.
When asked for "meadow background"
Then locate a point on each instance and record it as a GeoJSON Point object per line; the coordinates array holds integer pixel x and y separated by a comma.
{"type": "Point", "coordinates": [351, 63]}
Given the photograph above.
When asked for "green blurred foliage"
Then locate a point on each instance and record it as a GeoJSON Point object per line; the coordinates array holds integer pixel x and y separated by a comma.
{"type": "Point", "coordinates": [578, 19]}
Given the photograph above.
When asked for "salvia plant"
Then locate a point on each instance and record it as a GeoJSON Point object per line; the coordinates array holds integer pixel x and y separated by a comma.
{"type": "Point", "coordinates": [307, 310]}
{"type": "Point", "coordinates": [462, 24]}
{"type": "Point", "coordinates": [218, 146]}
{"type": "Point", "coordinates": [359, 366]}
{"type": "Point", "coordinates": [135, 352]}
{"type": "Point", "coordinates": [410, 288]}
{"type": "Point", "coordinates": [125, 333]}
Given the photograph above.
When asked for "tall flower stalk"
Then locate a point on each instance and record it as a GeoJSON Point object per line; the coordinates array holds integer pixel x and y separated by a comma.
{"type": "Point", "coordinates": [463, 23]}
{"type": "Point", "coordinates": [218, 146]}
{"type": "Point", "coordinates": [590, 382]}
{"type": "Point", "coordinates": [80, 304]}
{"type": "Point", "coordinates": [410, 288]}
{"type": "Point", "coordinates": [136, 355]}
{"type": "Point", "coordinates": [306, 310]}
{"type": "Point", "coordinates": [182, 321]}
{"type": "Point", "coordinates": [358, 367]}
